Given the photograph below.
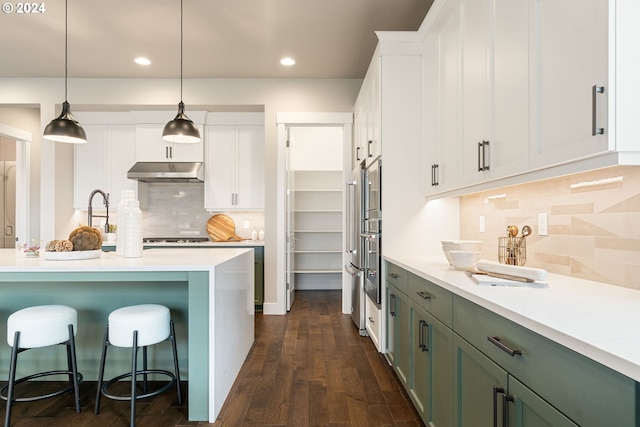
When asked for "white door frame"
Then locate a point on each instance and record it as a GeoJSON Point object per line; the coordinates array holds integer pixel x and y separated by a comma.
{"type": "Point", "coordinates": [283, 120]}
{"type": "Point", "coordinates": [23, 172]}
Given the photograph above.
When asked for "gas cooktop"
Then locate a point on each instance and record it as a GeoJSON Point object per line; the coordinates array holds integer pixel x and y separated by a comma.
{"type": "Point", "coordinates": [175, 239]}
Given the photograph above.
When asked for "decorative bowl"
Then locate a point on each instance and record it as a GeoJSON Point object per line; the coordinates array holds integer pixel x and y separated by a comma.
{"type": "Point", "coordinates": [464, 260]}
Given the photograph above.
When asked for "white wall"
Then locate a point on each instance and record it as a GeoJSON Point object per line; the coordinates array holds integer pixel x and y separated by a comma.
{"type": "Point", "coordinates": [276, 95]}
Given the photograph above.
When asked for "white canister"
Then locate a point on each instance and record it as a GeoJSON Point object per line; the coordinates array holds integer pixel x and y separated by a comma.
{"type": "Point", "coordinates": [132, 230]}
{"type": "Point", "coordinates": [126, 196]}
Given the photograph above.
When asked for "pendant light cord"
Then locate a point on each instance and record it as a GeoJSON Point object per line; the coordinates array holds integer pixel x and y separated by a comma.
{"type": "Point", "coordinates": [66, 47]}
{"type": "Point", "coordinates": [181, 44]}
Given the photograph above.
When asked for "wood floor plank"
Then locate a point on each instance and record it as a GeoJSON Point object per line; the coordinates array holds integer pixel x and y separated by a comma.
{"type": "Point", "coordinates": [308, 368]}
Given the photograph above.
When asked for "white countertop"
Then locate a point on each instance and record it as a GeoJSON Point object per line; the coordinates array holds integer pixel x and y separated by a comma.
{"type": "Point", "coordinates": [209, 244]}
{"type": "Point", "coordinates": [600, 321]}
{"type": "Point", "coordinates": [195, 259]}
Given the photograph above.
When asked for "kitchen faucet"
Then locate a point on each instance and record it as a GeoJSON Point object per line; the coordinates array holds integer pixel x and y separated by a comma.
{"type": "Point", "coordinates": [90, 214]}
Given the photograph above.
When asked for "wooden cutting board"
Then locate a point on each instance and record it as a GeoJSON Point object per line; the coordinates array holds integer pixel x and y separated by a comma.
{"type": "Point", "coordinates": [221, 228]}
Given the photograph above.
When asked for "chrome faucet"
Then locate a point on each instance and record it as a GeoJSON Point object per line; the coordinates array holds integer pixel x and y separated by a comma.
{"type": "Point", "coordinates": [90, 214]}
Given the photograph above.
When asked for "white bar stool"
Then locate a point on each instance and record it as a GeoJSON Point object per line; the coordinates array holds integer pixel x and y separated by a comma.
{"type": "Point", "coordinates": [138, 326]}
{"type": "Point", "coordinates": [41, 326]}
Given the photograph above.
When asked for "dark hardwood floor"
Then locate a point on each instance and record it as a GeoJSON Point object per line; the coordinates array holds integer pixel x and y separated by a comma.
{"type": "Point", "coordinates": [309, 368]}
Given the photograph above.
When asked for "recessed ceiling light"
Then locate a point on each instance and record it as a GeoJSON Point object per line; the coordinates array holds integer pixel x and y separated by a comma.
{"type": "Point", "coordinates": [142, 61]}
{"type": "Point", "coordinates": [287, 61]}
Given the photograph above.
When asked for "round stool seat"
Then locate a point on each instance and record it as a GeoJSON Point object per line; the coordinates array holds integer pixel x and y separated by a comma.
{"type": "Point", "coordinates": [152, 321]}
{"type": "Point", "coordinates": [42, 326]}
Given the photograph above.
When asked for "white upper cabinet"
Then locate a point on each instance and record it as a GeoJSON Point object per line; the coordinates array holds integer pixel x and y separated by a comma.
{"type": "Point", "coordinates": [440, 103]}
{"type": "Point", "coordinates": [368, 110]}
{"type": "Point", "coordinates": [544, 88]}
{"type": "Point", "coordinates": [234, 161]}
{"type": "Point", "coordinates": [102, 163]}
{"type": "Point", "coordinates": [150, 147]}
{"type": "Point", "coordinates": [393, 76]}
{"type": "Point", "coordinates": [571, 59]}
{"type": "Point", "coordinates": [495, 89]}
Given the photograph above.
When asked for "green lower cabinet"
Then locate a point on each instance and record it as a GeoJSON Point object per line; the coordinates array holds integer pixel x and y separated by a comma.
{"type": "Point", "coordinates": [403, 338]}
{"type": "Point", "coordinates": [486, 395]}
{"type": "Point", "coordinates": [391, 323]}
{"type": "Point", "coordinates": [477, 383]}
{"type": "Point", "coordinates": [527, 409]}
{"type": "Point", "coordinates": [431, 379]}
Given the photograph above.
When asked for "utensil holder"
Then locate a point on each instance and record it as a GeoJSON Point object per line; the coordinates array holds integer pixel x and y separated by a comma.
{"type": "Point", "coordinates": [512, 250]}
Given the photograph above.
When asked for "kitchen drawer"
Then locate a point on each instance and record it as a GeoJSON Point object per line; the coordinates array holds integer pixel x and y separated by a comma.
{"type": "Point", "coordinates": [373, 323]}
{"type": "Point", "coordinates": [433, 298]}
{"type": "Point", "coordinates": [584, 390]}
{"type": "Point", "coordinates": [397, 276]}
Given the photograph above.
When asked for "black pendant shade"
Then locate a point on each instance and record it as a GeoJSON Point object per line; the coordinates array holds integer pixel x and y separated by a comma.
{"type": "Point", "coordinates": [181, 129]}
{"type": "Point", "coordinates": [65, 128]}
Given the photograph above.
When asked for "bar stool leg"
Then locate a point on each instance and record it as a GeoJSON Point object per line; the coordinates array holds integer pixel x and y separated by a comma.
{"type": "Point", "coordinates": [144, 369]}
{"type": "Point", "coordinates": [134, 367]}
{"type": "Point", "coordinates": [71, 350]}
{"type": "Point", "coordinates": [175, 361]}
{"type": "Point", "coordinates": [103, 358]}
{"type": "Point", "coordinates": [12, 378]}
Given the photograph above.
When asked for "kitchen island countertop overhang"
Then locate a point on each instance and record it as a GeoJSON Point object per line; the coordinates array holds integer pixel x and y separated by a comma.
{"type": "Point", "coordinates": [209, 290]}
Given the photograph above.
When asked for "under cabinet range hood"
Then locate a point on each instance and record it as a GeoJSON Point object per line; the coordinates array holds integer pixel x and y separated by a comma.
{"type": "Point", "coordinates": [167, 172]}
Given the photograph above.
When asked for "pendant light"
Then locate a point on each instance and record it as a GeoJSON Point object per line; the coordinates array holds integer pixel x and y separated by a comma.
{"type": "Point", "coordinates": [181, 129]}
{"type": "Point", "coordinates": [65, 128]}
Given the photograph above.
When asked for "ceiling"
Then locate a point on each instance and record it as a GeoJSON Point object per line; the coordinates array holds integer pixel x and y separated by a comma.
{"type": "Point", "coordinates": [222, 38]}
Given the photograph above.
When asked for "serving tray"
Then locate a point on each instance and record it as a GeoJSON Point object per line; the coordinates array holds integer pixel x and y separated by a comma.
{"type": "Point", "coordinates": [73, 255]}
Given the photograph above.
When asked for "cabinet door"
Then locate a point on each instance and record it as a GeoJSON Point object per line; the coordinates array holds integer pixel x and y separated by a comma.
{"type": "Point", "coordinates": [509, 129]}
{"type": "Point", "coordinates": [374, 133]}
{"type": "Point", "coordinates": [475, 32]}
{"type": "Point", "coordinates": [219, 167]}
{"type": "Point", "coordinates": [431, 386]}
{"type": "Point", "coordinates": [402, 338]}
{"type": "Point", "coordinates": [476, 385]}
{"type": "Point", "coordinates": [360, 140]}
{"type": "Point", "coordinates": [150, 147]}
{"type": "Point", "coordinates": [250, 164]}
{"type": "Point", "coordinates": [89, 162]}
{"type": "Point", "coordinates": [571, 56]}
{"type": "Point", "coordinates": [391, 323]}
{"type": "Point", "coordinates": [447, 171]}
{"type": "Point", "coordinates": [527, 409]}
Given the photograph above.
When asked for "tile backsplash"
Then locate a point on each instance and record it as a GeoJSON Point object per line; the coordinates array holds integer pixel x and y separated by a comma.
{"type": "Point", "coordinates": [593, 223]}
{"type": "Point", "coordinates": [176, 209]}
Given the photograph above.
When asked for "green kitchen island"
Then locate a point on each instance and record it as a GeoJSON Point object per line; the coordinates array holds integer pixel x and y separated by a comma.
{"type": "Point", "coordinates": [209, 291]}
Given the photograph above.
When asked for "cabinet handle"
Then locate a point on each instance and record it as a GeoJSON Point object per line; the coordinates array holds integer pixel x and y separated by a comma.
{"type": "Point", "coordinates": [171, 152]}
{"type": "Point", "coordinates": [369, 148]}
{"type": "Point", "coordinates": [371, 320]}
{"type": "Point", "coordinates": [496, 341]}
{"type": "Point", "coordinates": [423, 337]}
{"type": "Point", "coordinates": [595, 90]}
{"type": "Point", "coordinates": [485, 155]}
{"type": "Point", "coordinates": [434, 175]}
{"type": "Point", "coordinates": [392, 305]}
{"type": "Point", "coordinates": [166, 152]}
{"type": "Point", "coordinates": [496, 390]}
{"type": "Point", "coordinates": [393, 275]}
{"type": "Point", "coordinates": [437, 174]}
{"type": "Point", "coordinates": [358, 153]}
{"type": "Point", "coordinates": [424, 295]}
{"type": "Point", "coordinates": [505, 409]}
{"type": "Point", "coordinates": [483, 164]}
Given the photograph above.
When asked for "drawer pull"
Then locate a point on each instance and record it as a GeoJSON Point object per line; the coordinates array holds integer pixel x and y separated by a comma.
{"type": "Point", "coordinates": [423, 337]}
{"type": "Point", "coordinates": [424, 295]}
{"type": "Point", "coordinates": [371, 320]}
{"type": "Point", "coordinates": [496, 341]}
{"type": "Point", "coordinates": [393, 275]}
{"type": "Point", "coordinates": [392, 305]}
